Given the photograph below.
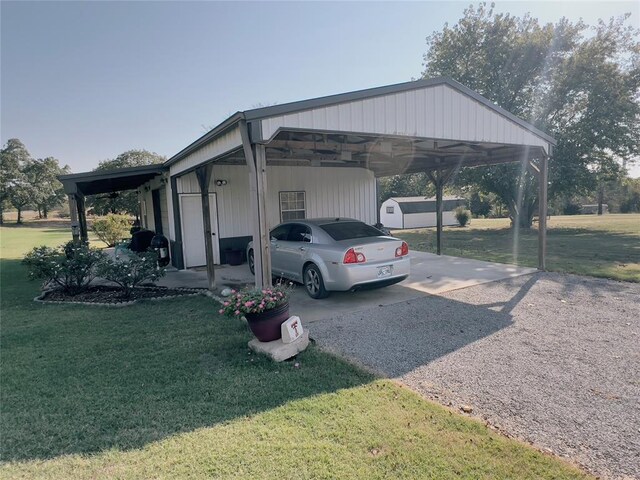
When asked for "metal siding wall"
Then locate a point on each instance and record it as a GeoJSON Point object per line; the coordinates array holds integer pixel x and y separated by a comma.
{"type": "Point", "coordinates": [171, 230]}
{"type": "Point", "coordinates": [340, 192]}
{"type": "Point", "coordinates": [220, 145]}
{"type": "Point", "coordinates": [151, 225]}
{"type": "Point", "coordinates": [164, 212]}
{"type": "Point", "coordinates": [421, 220]}
{"type": "Point", "coordinates": [431, 112]}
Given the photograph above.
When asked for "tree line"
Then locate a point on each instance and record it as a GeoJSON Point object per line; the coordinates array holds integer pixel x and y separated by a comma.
{"type": "Point", "coordinates": [29, 183]}
{"type": "Point", "coordinates": [579, 83]}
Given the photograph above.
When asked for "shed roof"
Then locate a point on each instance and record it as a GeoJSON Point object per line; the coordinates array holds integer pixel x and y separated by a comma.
{"type": "Point", "coordinates": [409, 205]}
{"type": "Point", "coordinates": [423, 199]}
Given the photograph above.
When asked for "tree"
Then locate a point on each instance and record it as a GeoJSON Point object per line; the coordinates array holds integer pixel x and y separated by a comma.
{"type": "Point", "coordinates": [16, 188]}
{"type": "Point", "coordinates": [12, 157]}
{"type": "Point", "coordinates": [127, 201]}
{"type": "Point", "coordinates": [579, 84]}
{"type": "Point", "coordinates": [409, 185]}
{"type": "Point", "coordinates": [42, 175]}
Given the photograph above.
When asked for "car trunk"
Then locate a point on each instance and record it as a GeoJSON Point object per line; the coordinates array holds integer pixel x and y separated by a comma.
{"type": "Point", "coordinates": [375, 249]}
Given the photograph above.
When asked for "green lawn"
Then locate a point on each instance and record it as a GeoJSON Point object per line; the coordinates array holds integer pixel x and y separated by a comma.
{"type": "Point", "coordinates": [169, 390]}
{"type": "Point", "coordinates": [606, 246]}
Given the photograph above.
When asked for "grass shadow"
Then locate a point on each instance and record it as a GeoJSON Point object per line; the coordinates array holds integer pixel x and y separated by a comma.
{"type": "Point", "coordinates": [88, 379]}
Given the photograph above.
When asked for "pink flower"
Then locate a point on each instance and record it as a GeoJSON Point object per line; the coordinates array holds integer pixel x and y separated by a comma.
{"type": "Point", "coordinates": [226, 304]}
{"type": "Point", "coordinates": [248, 304]}
{"type": "Point", "coordinates": [237, 312]}
{"type": "Point", "coordinates": [220, 311]}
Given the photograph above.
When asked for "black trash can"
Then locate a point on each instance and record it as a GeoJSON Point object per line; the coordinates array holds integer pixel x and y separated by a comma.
{"type": "Point", "coordinates": [233, 257]}
{"type": "Point", "coordinates": [160, 244]}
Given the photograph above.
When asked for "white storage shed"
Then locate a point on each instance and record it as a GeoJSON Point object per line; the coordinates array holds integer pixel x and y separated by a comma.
{"type": "Point", "coordinates": [418, 212]}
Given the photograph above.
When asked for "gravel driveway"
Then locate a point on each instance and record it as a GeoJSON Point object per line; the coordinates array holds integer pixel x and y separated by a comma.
{"type": "Point", "coordinates": [549, 358]}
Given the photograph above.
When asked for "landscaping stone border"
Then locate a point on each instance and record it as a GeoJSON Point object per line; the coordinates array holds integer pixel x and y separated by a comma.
{"type": "Point", "coordinates": [194, 292]}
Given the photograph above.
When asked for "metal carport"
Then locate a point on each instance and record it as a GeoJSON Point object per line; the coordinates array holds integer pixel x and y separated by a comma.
{"type": "Point", "coordinates": [79, 185]}
{"type": "Point", "coordinates": [435, 126]}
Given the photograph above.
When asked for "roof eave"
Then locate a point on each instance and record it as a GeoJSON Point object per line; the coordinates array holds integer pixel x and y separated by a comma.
{"type": "Point", "coordinates": [292, 107]}
{"type": "Point", "coordinates": [206, 138]}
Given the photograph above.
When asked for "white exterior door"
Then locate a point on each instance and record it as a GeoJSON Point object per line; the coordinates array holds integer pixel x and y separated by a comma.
{"type": "Point", "coordinates": [193, 229]}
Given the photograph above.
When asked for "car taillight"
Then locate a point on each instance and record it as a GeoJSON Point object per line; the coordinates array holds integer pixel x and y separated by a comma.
{"type": "Point", "coordinates": [402, 250]}
{"type": "Point", "coordinates": [352, 257]}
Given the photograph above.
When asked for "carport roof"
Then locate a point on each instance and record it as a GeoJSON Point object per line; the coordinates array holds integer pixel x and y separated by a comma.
{"type": "Point", "coordinates": [256, 116]}
{"type": "Point", "coordinates": [107, 181]}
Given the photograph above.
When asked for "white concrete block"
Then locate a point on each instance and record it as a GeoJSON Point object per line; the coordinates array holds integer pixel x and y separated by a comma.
{"type": "Point", "coordinates": [279, 351]}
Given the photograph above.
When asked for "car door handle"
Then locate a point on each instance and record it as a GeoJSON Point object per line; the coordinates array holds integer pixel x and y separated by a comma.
{"type": "Point", "coordinates": [302, 249]}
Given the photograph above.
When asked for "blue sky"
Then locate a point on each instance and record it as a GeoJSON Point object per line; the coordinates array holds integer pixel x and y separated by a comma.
{"type": "Point", "coordinates": [85, 81]}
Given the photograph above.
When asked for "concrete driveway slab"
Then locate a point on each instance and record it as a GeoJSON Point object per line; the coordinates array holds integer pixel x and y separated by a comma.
{"type": "Point", "coordinates": [430, 274]}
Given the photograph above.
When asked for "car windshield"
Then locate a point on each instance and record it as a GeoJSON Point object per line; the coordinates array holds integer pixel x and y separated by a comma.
{"type": "Point", "coordinates": [348, 230]}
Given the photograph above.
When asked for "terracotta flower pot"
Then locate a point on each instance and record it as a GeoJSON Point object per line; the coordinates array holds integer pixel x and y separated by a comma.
{"type": "Point", "coordinates": [266, 325]}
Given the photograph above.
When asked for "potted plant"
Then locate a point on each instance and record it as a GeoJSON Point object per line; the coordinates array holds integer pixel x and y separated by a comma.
{"type": "Point", "coordinates": [265, 309]}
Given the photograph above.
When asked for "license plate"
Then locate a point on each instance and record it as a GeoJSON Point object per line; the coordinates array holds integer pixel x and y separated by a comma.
{"type": "Point", "coordinates": [384, 271]}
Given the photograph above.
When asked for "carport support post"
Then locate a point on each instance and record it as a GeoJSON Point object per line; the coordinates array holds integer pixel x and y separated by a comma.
{"type": "Point", "coordinates": [73, 213]}
{"type": "Point", "coordinates": [439, 179]}
{"type": "Point", "coordinates": [543, 177]}
{"type": "Point", "coordinates": [82, 218]}
{"type": "Point", "coordinates": [203, 174]}
{"type": "Point", "coordinates": [256, 158]}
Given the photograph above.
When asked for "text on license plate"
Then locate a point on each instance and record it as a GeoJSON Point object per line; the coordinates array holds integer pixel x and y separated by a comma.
{"type": "Point", "coordinates": [384, 271]}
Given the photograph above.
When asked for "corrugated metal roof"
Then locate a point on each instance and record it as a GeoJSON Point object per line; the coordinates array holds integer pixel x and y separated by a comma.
{"type": "Point", "coordinates": [423, 199]}
{"type": "Point", "coordinates": [428, 205]}
{"type": "Point", "coordinates": [288, 108]}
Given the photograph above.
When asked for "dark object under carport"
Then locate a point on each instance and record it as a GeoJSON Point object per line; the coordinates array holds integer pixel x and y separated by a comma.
{"type": "Point", "coordinates": [141, 241]}
{"type": "Point", "coordinates": [160, 244]}
{"type": "Point", "coordinates": [233, 257]}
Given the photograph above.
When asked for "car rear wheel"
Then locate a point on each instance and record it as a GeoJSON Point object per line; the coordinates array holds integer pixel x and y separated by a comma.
{"type": "Point", "coordinates": [252, 266]}
{"type": "Point", "coordinates": [313, 282]}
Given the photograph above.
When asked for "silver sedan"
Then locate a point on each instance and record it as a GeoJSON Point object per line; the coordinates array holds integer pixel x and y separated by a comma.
{"type": "Point", "coordinates": [335, 254]}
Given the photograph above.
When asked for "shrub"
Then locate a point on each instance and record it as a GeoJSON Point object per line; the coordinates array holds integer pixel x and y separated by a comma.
{"type": "Point", "coordinates": [462, 216]}
{"type": "Point", "coordinates": [129, 272]}
{"type": "Point", "coordinates": [571, 208]}
{"type": "Point", "coordinates": [70, 266]}
{"type": "Point", "coordinates": [112, 228]}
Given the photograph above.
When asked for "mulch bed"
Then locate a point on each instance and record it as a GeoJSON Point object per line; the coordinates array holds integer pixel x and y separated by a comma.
{"type": "Point", "coordinates": [103, 294]}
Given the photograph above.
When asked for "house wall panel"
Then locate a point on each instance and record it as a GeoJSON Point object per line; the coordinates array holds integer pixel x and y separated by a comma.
{"type": "Point", "coordinates": [342, 192]}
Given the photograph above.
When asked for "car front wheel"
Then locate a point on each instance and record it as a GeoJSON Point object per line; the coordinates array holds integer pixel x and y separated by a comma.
{"type": "Point", "coordinates": [252, 266]}
{"type": "Point", "coordinates": [313, 282]}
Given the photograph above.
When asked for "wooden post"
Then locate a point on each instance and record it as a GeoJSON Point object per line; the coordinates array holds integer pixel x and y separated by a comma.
{"type": "Point", "coordinates": [73, 213]}
{"type": "Point", "coordinates": [256, 159]}
{"type": "Point", "coordinates": [203, 174]}
{"type": "Point", "coordinates": [82, 218]}
{"type": "Point", "coordinates": [542, 212]}
{"type": "Point", "coordinates": [260, 156]}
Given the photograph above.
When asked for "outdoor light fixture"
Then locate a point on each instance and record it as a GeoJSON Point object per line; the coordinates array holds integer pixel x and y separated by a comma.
{"type": "Point", "coordinates": [220, 183]}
